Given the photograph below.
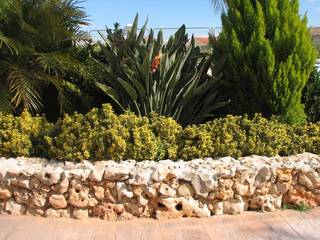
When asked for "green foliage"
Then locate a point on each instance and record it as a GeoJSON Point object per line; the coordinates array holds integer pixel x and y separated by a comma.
{"type": "Point", "coordinates": [269, 57]}
{"type": "Point", "coordinates": [36, 53]}
{"type": "Point", "coordinates": [145, 75]}
{"type": "Point", "coordinates": [96, 135]}
{"type": "Point", "coordinates": [311, 96]}
{"type": "Point", "coordinates": [101, 135]}
{"type": "Point", "coordinates": [301, 207]}
{"type": "Point", "coordinates": [23, 136]}
{"type": "Point", "coordinates": [168, 132]}
{"type": "Point", "coordinates": [235, 136]}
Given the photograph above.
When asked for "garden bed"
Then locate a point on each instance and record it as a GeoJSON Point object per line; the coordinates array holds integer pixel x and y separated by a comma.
{"type": "Point", "coordinates": [165, 189]}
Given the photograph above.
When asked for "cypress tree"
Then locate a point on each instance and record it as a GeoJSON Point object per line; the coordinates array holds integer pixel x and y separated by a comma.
{"type": "Point", "coordinates": [269, 57]}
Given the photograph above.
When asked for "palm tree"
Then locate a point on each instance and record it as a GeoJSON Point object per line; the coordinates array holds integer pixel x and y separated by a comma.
{"type": "Point", "coordinates": [37, 38]}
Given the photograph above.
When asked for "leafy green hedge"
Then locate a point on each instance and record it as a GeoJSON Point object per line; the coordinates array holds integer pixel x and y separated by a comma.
{"type": "Point", "coordinates": [101, 134]}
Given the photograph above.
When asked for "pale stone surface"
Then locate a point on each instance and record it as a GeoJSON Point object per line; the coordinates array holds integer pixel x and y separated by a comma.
{"type": "Point", "coordinates": [123, 191]}
{"type": "Point", "coordinates": [80, 213]}
{"type": "Point", "coordinates": [5, 194]}
{"type": "Point", "coordinates": [98, 192]}
{"type": "Point", "coordinates": [185, 189]}
{"type": "Point", "coordinates": [164, 189]}
{"type": "Point", "coordinates": [53, 213]}
{"type": "Point", "coordinates": [38, 199]}
{"type": "Point", "coordinates": [58, 201]}
{"type": "Point", "coordinates": [14, 208]}
{"type": "Point", "coordinates": [64, 184]}
{"type": "Point", "coordinates": [180, 207]}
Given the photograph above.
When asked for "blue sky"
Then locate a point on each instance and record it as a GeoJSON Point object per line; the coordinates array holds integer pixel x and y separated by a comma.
{"type": "Point", "coordinates": [170, 13]}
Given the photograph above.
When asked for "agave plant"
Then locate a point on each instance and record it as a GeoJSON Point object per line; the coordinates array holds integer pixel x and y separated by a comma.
{"type": "Point", "coordinates": [36, 42]}
{"type": "Point", "coordinates": [144, 75]}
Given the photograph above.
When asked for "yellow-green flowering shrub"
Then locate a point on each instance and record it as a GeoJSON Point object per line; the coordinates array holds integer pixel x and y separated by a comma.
{"type": "Point", "coordinates": [264, 137]}
{"type": "Point", "coordinates": [195, 142]}
{"type": "Point", "coordinates": [23, 135]}
{"type": "Point", "coordinates": [97, 135]}
{"type": "Point", "coordinates": [305, 138]}
{"type": "Point", "coordinates": [167, 132]}
{"type": "Point", "coordinates": [235, 136]}
{"type": "Point", "coordinates": [142, 143]}
{"type": "Point", "coordinates": [102, 135]}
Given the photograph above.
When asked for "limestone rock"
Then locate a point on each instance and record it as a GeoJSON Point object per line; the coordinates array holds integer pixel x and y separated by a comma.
{"type": "Point", "coordinates": [134, 209]}
{"type": "Point", "coordinates": [217, 208]}
{"type": "Point", "coordinates": [310, 179]}
{"type": "Point", "coordinates": [299, 194]}
{"type": "Point", "coordinates": [64, 184]}
{"type": "Point", "coordinates": [38, 199]}
{"type": "Point", "coordinates": [266, 203]}
{"type": "Point", "coordinates": [185, 189]}
{"type": "Point", "coordinates": [203, 183]}
{"type": "Point", "coordinates": [54, 213]}
{"type": "Point", "coordinates": [109, 211]}
{"type": "Point", "coordinates": [98, 192]}
{"type": "Point", "coordinates": [78, 195]}
{"type": "Point", "coordinates": [117, 172]}
{"type": "Point", "coordinates": [279, 188]}
{"type": "Point", "coordinates": [141, 195]}
{"type": "Point", "coordinates": [92, 202]}
{"type": "Point", "coordinates": [235, 206]}
{"type": "Point", "coordinates": [58, 201]}
{"type": "Point", "coordinates": [80, 213]}
{"type": "Point", "coordinates": [123, 191]}
{"type": "Point", "coordinates": [97, 173]}
{"type": "Point", "coordinates": [241, 189]}
{"type": "Point", "coordinates": [22, 183]}
{"type": "Point", "coordinates": [35, 212]}
{"type": "Point", "coordinates": [5, 194]}
{"type": "Point", "coordinates": [151, 192]}
{"type": "Point", "coordinates": [284, 175]}
{"type": "Point", "coordinates": [14, 208]}
{"type": "Point", "coordinates": [49, 175]}
{"type": "Point", "coordinates": [180, 207]}
{"type": "Point", "coordinates": [166, 190]}
{"type": "Point", "coordinates": [21, 196]}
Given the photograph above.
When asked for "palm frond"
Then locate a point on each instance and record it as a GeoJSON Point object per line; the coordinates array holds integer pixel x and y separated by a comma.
{"type": "Point", "coordinates": [9, 43]}
{"type": "Point", "coordinates": [59, 63]}
{"type": "Point", "coordinates": [24, 88]}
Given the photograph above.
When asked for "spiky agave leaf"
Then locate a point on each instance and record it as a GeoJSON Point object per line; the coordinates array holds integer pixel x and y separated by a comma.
{"type": "Point", "coordinates": [178, 86]}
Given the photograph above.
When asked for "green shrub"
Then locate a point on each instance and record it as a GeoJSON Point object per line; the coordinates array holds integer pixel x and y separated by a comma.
{"type": "Point", "coordinates": [311, 96]}
{"type": "Point", "coordinates": [167, 132]}
{"type": "Point", "coordinates": [235, 136]}
{"type": "Point", "coordinates": [142, 143]}
{"type": "Point", "coordinates": [23, 136]}
{"type": "Point", "coordinates": [101, 135]}
{"type": "Point", "coordinates": [269, 57]}
{"type": "Point", "coordinates": [96, 135]}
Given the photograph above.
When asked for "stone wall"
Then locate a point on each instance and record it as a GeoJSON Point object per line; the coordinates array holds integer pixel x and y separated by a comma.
{"type": "Point", "coordinates": [165, 189]}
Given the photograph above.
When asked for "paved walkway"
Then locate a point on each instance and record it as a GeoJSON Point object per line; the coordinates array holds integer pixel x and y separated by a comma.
{"type": "Point", "coordinates": [280, 225]}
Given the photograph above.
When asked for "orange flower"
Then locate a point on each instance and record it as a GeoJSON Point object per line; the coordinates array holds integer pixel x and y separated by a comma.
{"type": "Point", "coordinates": [155, 63]}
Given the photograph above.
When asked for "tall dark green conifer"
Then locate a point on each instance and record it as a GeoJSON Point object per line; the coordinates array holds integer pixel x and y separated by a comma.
{"type": "Point", "coordinates": [270, 56]}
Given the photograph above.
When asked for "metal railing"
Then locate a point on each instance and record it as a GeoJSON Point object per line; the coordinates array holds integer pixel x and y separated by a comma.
{"type": "Point", "coordinates": [192, 30]}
